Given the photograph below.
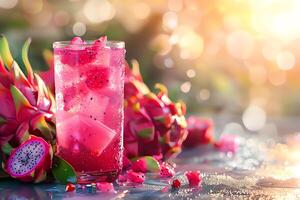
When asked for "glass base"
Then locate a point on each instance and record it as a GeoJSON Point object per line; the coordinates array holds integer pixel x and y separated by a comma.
{"type": "Point", "coordinates": [93, 177]}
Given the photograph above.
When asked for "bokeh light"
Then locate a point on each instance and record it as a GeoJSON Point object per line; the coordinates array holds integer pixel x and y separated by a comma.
{"type": "Point", "coordinates": [98, 11]}
{"type": "Point", "coordinates": [204, 94]}
{"type": "Point", "coordinates": [186, 87]}
{"type": "Point", "coordinates": [8, 4]}
{"type": "Point", "coordinates": [240, 44]}
{"type": "Point", "coordinates": [32, 6]}
{"type": "Point", "coordinates": [254, 118]}
{"type": "Point", "coordinates": [61, 18]}
{"type": "Point", "coordinates": [191, 73]}
{"type": "Point", "coordinates": [79, 28]}
{"type": "Point", "coordinates": [285, 60]}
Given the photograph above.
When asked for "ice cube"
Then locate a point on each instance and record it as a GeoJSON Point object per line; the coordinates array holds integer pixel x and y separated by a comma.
{"type": "Point", "coordinates": [66, 75]}
{"type": "Point", "coordinates": [80, 129]}
{"type": "Point", "coordinates": [103, 57]}
{"type": "Point", "coordinates": [94, 105]}
{"type": "Point", "coordinates": [73, 96]}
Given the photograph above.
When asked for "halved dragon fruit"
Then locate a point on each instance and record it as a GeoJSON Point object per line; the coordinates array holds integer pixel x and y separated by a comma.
{"type": "Point", "coordinates": [30, 161]}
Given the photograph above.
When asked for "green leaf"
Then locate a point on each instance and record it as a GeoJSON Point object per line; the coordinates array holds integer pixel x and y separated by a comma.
{"type": "Point", "coordinates": [26, 60]}
{"type": "Point", "coordinates": [6, 148]}
{"type": "Point", "coordinates": [5, 52]}
{"type": "Point", "coordinates": [63, 171]}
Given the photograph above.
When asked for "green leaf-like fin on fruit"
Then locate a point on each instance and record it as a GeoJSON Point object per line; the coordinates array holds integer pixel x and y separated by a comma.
{"type": "Point", "coordinates": [19, 99]}
{"type": "Point", "coordinates": [2, 120]}
{"type": "Point", "coordinates": [26, 60]}
{"type": "Point", "coordinates": [48, 56]}
{"type": "Point", "coordinates": [161, 88]}
{"type": "Point", "coordinates": [18, 74]}
{"type": "Point", "coordinates": [6, 148]}
{"type": "Point", "coordinates": [39, 123]}
{"type": "Point", "coordinates": [5, 52]}
{"type": "Point", "coordinates": [145, 133]}
{"type": "Point", "coordinates": [151, 163]}
{"type": "Point", "coordinates": [63, 171]}
{"type": "Point", "coordinates": [2, 67]}
{"type": "Point", "coordinates": [42, 89]}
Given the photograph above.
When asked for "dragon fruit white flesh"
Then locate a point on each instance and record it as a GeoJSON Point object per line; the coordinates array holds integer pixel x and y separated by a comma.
{"type": "Point", "coordinates": [30, 161]}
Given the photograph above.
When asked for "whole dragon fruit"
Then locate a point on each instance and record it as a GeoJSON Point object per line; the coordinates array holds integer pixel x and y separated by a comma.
{"type": "Point", "coordinates": [26, 104]}
{"type": "Point", "coordinates": [153, 124]}
{"type": "Point", "coordinates": [30, 161]}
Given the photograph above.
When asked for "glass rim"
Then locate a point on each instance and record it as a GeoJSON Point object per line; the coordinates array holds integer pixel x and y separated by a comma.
{"type": "Point", "coordinates": [115, 44]}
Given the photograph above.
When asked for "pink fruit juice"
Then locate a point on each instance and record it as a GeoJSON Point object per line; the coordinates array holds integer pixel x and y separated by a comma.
{"type": "Point", "coordinates": [89, 82]}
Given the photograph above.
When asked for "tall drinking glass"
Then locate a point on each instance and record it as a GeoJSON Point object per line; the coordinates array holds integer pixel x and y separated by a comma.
{"type": "Point", "coordinates": [89, 81]}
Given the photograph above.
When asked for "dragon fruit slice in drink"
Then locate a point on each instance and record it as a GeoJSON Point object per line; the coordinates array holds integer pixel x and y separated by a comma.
{"type": "Point", "coordinates": [83, 130]}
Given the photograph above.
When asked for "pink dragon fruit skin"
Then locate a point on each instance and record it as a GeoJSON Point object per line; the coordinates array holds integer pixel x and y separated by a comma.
{"type": "Point", "coordinates": [200, 131]}
{"type": "Point", "coordinates": [153, 124]}
{"type": "Point", "coordinates": [33, 166]}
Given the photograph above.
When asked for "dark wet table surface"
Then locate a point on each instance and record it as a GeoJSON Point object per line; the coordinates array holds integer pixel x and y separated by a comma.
{"type": "Point", "coordinates": [267, 166]}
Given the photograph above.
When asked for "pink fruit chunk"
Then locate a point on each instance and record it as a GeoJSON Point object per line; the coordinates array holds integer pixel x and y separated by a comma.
{"type": "Point", "coordinates": [77, 40]}
{"type": "Point", "coordinates": [135, 177]}
{"type": "Point", "coordinates": [101, 42]}
{"type": "Point", "coordinates": [166, 171]}
{"type": "Point", "coordinates": [97, 77]}
{"type": "Point", "coordinates": [105, 187]}
{"type": "Point", "coordinates": [81, 129]}
{"type": "Point", "coordinates": [70, 187]}
{"type": "Point", "coordinates": [194, 178]}
{"type": "Point", "coordinates": [176, 184]}
{"type": "Point", "coordinates": [77, 53]}
{"type": "Point", "coordinates": [31, 161]}
{"type": "Point", "coordinates": [227, 143]}
{"type": "Point", "coordinates": [139, 166]}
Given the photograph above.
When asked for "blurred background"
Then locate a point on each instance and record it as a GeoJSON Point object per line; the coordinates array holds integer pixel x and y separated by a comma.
{"type": "Point", "coordinates": [223, 58]}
